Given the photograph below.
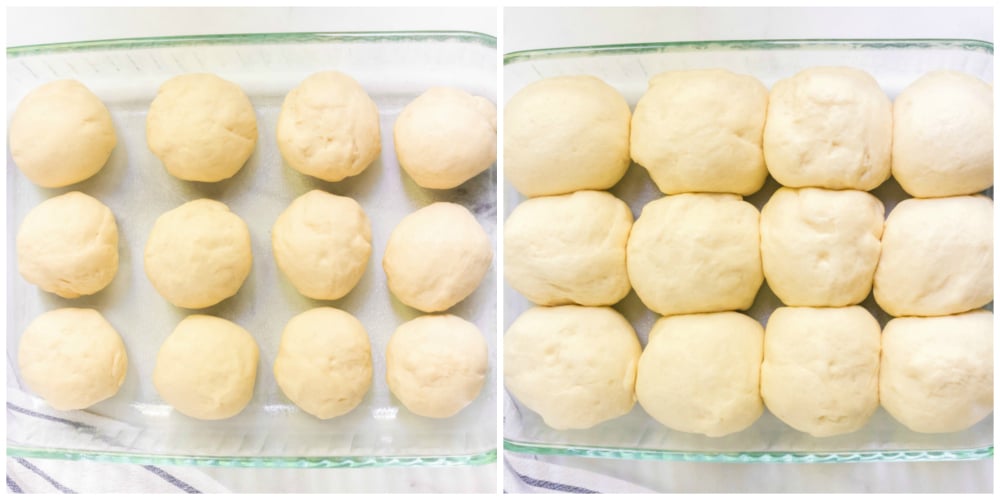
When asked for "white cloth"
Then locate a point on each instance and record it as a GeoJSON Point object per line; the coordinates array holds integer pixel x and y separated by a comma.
{"type": "Point", "coordinates": [524, 475]}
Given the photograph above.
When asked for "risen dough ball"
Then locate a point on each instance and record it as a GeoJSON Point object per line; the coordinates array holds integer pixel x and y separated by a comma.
{"type": "Point", "coordinates": [328, 127]}
{"type": "Point", "coordinates": [198, 254]}
{"type": "Point", "coordinates": [68, 245]}
{"type": "Point", "coordinates": [829, 127]}
{"type": "Point", "coordinates": [445, 137]}
{"type": "Point", "coordinates": [565, 134]}
{"type": "Point", "coordinates": [61, 134]}
{"type": "Point", "coordinates": [568, 249]}
{"type": "Point", "coordinates": [937, 257]}
{"type": "Point", "coordinates": [72, 358]}
{"type": "Point", "coordinates": [575, 366]}
{"type": "Point", "coordinates": [701, 131]}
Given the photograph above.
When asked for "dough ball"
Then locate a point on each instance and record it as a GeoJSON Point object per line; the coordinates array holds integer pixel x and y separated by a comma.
{"type": "Point", "coordinates": [322, 243]}
{"type": "Point", "coordinates": [943, 135]}
{"type": "Point", "coordinates": [198, 254]}
{"type": "Point", "coordinates": [701, 131]}
{"type": "Point", "coordinates": [937, 373]}
{"type": "Point", "coordinates": [568, 249]}
{"type": "Point", "coordinates": [201, 127]}
{"type": "Point", "coordinates": [575, 366]}
{"type": "Point", "coordinates": [446, 137]}
{"type": "Point", "coordinates": [436, 365]}
{"type": "Point", "coordinates": [324, 362]}
{"type": "Point", "coordinates": [829, 127]}
{"type": "Point", "coordinates": [436, 257]}
{"type": "Point", "coordinates": [700, 373]}
{"type": "Point", "coordinates": [692, 253]}
{"type": "Point", "coordinates": [328, 127]}
{"type": "Point", "coordinates": [61, 134]}
{"type": "Point", "coordinates": [68, 245]}
{"type": "Point", "coordinates": [820, 370]}
{"type": "Point", "coordinates": [72, 358]}
{"type": "Point", "coordinates": [820, 247]}
{"type": "Point", "coordinates": [937, 257]}
{"type": "Point", "coordinates": [565, 134]}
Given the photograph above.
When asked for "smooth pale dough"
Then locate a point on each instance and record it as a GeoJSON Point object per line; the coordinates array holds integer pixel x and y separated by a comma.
{"type": "Point", "coordinates": [198, 254]}
{"type": "Point", "coordinates": [445, 137]}
{"type": "Point", "coordinates": [566, 134]}
{"type": "Point", "coordinates": [573, 365]}
{"type": "Point", "coordinates": [68, 245]}
{"type": "Point", "coordinates": [201, 127]}
{"type": "Point", "coordinates": [328, 127]}
{"type": "Point", "coordinates": [692, 253]}
{"type": "Point", "coordinates": [61, 134]}
{"type": "Point", "coordinates": [324, 362]}
{"type": "Point", "coordinates": [701, 372]}
{"type": "Point", "coordinates": [820, 247]}
{"type": "Point", "coordinates": [701, 131]}
{"type": "Point", "coordinates": [829, 127]}
{"type": "Point", "coordinates": [937, 257]}
{"type": "Point", "coordinates": [72, 358]}
{"type": "Point", "coordinates": [943, 135]}
{"type": "Point", "coordinates": [322, 243]}
{"type": "Point", "coordinates": [436, 365]}
{"type": "Point", "coordinates": [568, 249]}
{"type": "Point", "coordinates": [937, 373]}
{"type": "Point", "coordinates": [436, 257]}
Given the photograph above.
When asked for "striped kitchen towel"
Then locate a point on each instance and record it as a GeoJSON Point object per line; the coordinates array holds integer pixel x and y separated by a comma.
{"type": "Point", "coordinates": [524, 474]}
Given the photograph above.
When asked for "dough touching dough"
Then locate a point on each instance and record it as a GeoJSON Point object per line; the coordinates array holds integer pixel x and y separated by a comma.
{"type": "Point", "coordinates": [568, 249]}
{"type": "Point", "coordinates": [68, 245]}
{"type": "Point", "coordinates": [575, 366]}
{"type": "Point", "coordinates": [72, 358]}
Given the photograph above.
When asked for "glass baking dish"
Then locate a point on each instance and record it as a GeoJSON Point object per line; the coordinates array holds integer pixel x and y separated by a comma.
{"type": "Point", "coordinates": [136, 426]}
{"type": "Point", "coordinates": [895, 64]}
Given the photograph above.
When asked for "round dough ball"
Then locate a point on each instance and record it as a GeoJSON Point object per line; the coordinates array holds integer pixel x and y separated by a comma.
{"type": "Point", "coordinates": [201, 127]}
{"type": "Point", "coordinates": [328, 127]}
{"type": "Point", "coordinates": [436, 257]}
{"type": "Point", "coordinates": [937, 257]}
{"type": "Point", "coordinates": [446, 137]}
{"type": "Point", "coordinates": [436, 365]}
{"type": "Point", "coordinates": [820, 247]}
{"type": "Point", "coordinates": [820, 370]}
{"type": "Point", "coordinates": [207, 368]}
{"type": "Point", "coordinates": [829, 127]}
{"type": "Point", "coordinates": [693, 253]}
{"type": "Point", "coordinates": [701, 131]}
{"type": "Point", "coordinates": [568, 249]}
{"type": "Point", "coordinates": [324, 362]}
{"type": "Point", "coordinates": [68, 245]}
{"type": "Point", "coordinates": [198, 254]}
{"type": "Point", "coordinates": [575, 366]}
{"type": "Point", "coordinates": [937, 373]}
{"type": "Point", "coordinates": [943, 135]}
{"type": "Point", "coordinates": [322, 243]}
{"type": "Point", "coordinates": [72, 358]}
{"type": "Point", "coordinates": [565, 134]}
{"type": "Point", "coordinates": [61, 134]}
{"type": "Point", "coordinates": [700, 373]}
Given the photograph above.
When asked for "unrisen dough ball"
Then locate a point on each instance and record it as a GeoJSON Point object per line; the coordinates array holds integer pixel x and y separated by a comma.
{"type": "Point", "coordinates": [937, 257]}
{"type": "Point", "coordinates": [829, 127]}
{"type": "Point", "coordinates": [700, 373]}
{"type": "Point", "coordinates": [72, 358]}
{"type": "Point", "coordinates": [445, 137]}
{"type": "Point", "coordinates": [701, 131]}
{"type": "Point", "coordinates": [565, 134]}
{"type": "Point", "coordinates": [568, 249]}
{"type": "Point", "coordinates": [324, 362]}
{"type": "Point", "coordinates": [68, 245]}
{"type": "Point", "coordinates": [575, 366]}
{"type": "Point", "coordinates": [61, 134]}
{"type": "Point", "coordinates": [201, 127]}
